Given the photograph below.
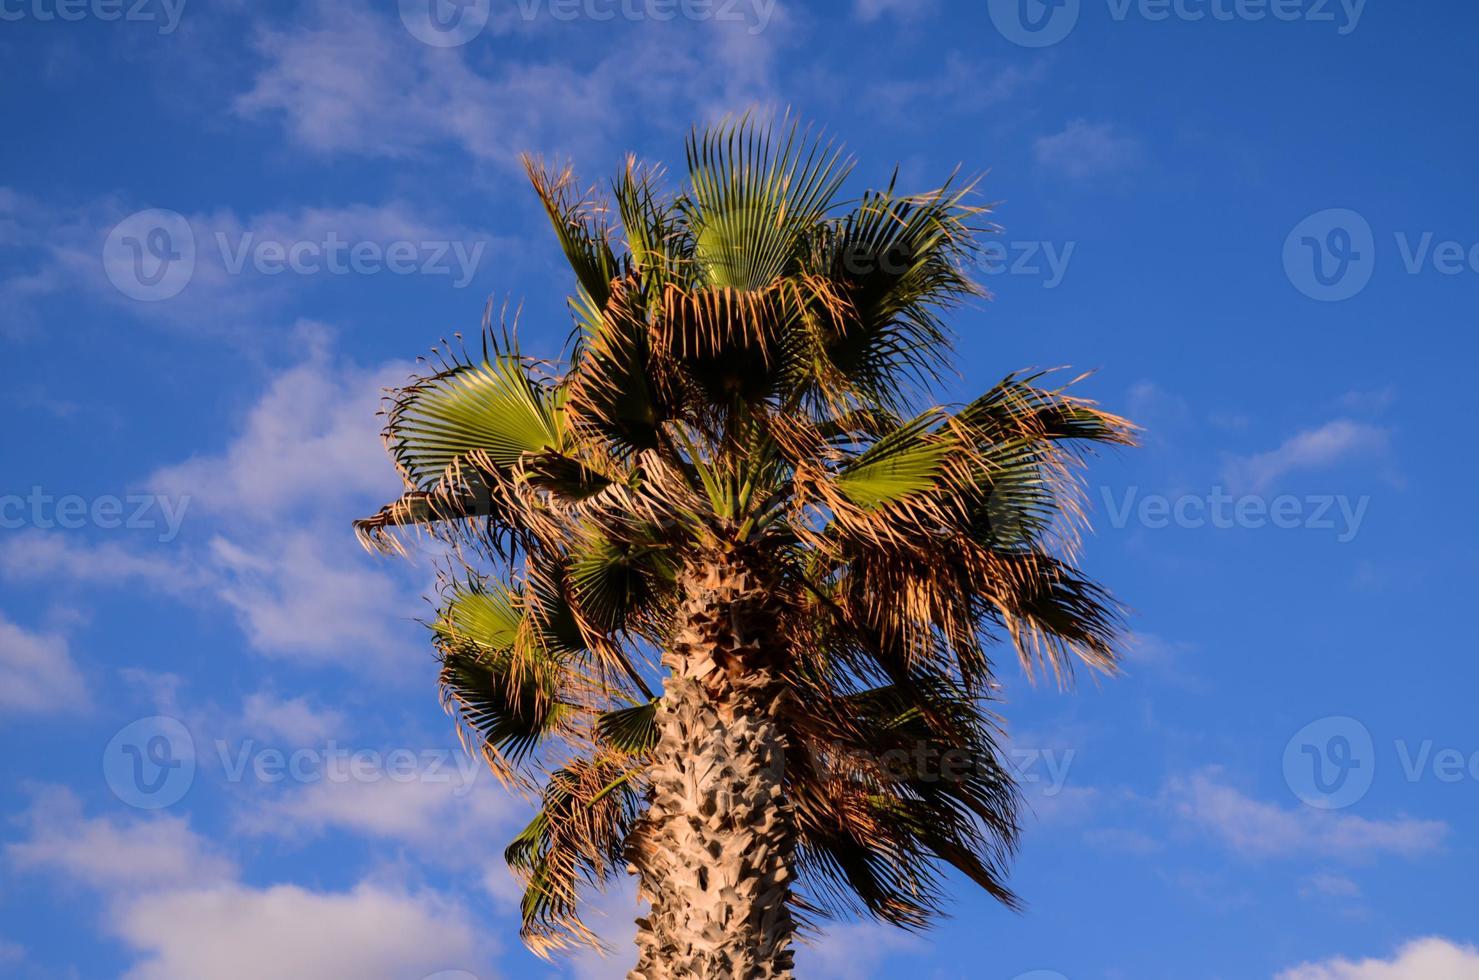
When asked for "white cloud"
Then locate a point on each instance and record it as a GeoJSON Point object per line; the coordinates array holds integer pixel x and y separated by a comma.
{"type": "Point", "coordinates": [62, 252]}
{"type": "Point", "coordinates": [1373, 401]}
{"type": "Point", "coordinates": [1083, 149]}
{"type": "Point", "coordinates": [177, 902]}
{"type": "Point", "coordinates": [1328, 885]}
{"type": "Point", "coordinates": [870, 10]}
{"type": "Point", "coordinates": [233, 932]}
{"type": "Point", "coordinates": [307, 461]}
{"type": "Point", "coordinates": [1432, 958]}
{"type": "Point", "coordinates": [427, 803]}
{"type": "Point", "coordinates": [835, 955]}
{"type": "Point", "coordinates": [1320, 448]}
{"type": "Point", "coordinates": [293, 719]}
{"type": "Point", "coordinates": [1156, 652]}
{"type": "Point", "coordinates": [124, 855]}
{"type": "Point", "coordinates": [41, 555]}
{"type": "Point", "coordinates": [41, 258]}
{"type": "Point", "coordinates": [37, 674]}
{"type": "Point", "coordinates": [351, 81]}
{"type": "Point", "coordinates": [1153, 406]}
{"type": "Point", "coordinates": [1311, 450]}
{"type": "Point", "coordinates": [313, 438]}
{"type": "Point", "coordinates": [310, 592]}
{"type": "Point", "coordinates": [1259, 829]}
{"type": "Point", "coordinates": [304, 593]}
{"type": "Point", "coordinates": [309, 458]}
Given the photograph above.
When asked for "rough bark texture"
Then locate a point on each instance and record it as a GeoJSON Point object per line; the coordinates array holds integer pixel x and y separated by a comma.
{"type": "Point", "coordinates": [715, 848]}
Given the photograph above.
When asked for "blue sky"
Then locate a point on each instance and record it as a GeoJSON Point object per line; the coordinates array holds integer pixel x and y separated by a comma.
{"type": "Point", "coordinates": [1255, 221]}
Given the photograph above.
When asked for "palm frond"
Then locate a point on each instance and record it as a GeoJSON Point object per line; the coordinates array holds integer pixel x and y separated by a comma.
{"type": "Point", "coordinates": [482, 414]}
{"type": "Point", "coordinates": [505, 670]}
{"type": "Point", "coordinates": [582, 229]}
{"type": "Point", "coordinates": [756, 194]}
{"type": "Point", "coordinates": [575, 840]}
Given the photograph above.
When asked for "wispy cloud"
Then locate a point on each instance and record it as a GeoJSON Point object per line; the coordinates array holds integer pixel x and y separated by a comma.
{"type": "Point", "coordinates": [1328, 885]}
{"type": "Point", "coordinates": [870, 10]}
{"type": "Point", "coordinates": [1372, 401]}
{"type": "Point", "coordinates": [347, 81]}
{"type": "Point", "coordinates": [240, 269]}
{"type": "Point", "coordinates": [963, 84]}
{"type": "Point", "coordinates": [837, 955]}
{"type": "Point", "coordinates": [299, 722]}
{"type": "Point", "coordinates": [311, 440]}
{"type": "Point", "coordinates": [119, 856]}
{"type": "Point", "coordinates": [1422, 959]}
{"type": "Point", "coordinates": [39, 556]}
{"type": "Point", "coordinates": [1319, 448]}
{"type": "Point", "coordinates": [269, 530]}
{"type": "Point", "coordinates": [236, 932]}
{"type": "Point", "coordinates": [176, 901]}
{"type": "Point", "coordinates": [1083, 149]}
{"type": "Point", "coordinates": [38, 675]}
{"type": "Point", "coordinates": [1256, 828]}
{"type": "Point", "coordinates": [448, 811]}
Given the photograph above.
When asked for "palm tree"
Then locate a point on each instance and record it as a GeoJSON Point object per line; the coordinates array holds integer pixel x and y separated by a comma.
{"type": "Point", "coordinates": [718, 593]}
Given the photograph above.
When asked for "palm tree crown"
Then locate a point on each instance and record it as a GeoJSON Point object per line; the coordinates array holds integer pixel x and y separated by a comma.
{"type": "Point", "coordinates": [745, 391]}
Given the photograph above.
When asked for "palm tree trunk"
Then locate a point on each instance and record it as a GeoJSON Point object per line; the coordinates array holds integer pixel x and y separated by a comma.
{"type": "Point", "coordinates": [715, 848]}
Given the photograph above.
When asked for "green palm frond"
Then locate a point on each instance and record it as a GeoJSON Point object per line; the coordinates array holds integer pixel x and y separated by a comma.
{"type": "Point", "coordinates": [582, 231]}
{"type": "Point", "coordinates": [615, 583]}
{"type": "Point", "coordinates": [654, 233]}
{"type": "Point", "coordinates": [505, 670]}
{"type": "Point", "coordinates": [623, 392]}
{"type": "Point", "coordinates": [487, 414]}
{"type": "Point", "coordinates": [899, 262]}
{"type": "Point", "coordinates": [755, 196]}
{"type": "Point", "coordinates": [911, 459]}
{"type": "Point", "coordinates": [630, 730]}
